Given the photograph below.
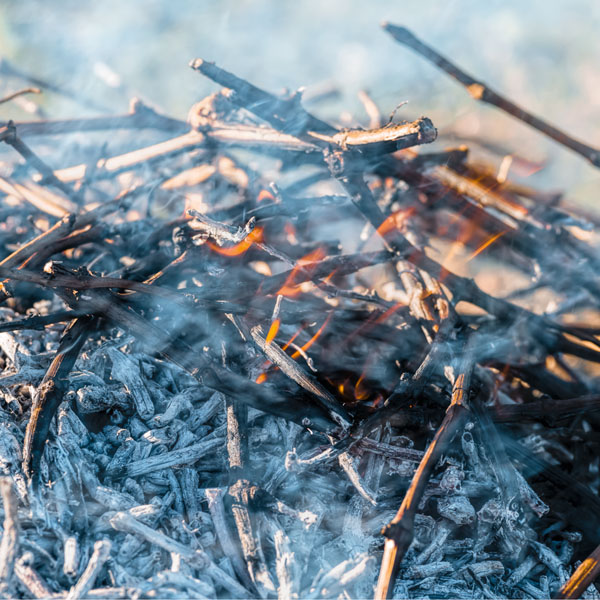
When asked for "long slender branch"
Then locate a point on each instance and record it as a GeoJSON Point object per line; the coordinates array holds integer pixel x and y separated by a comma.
{"type": "Point", "coordinates": [399, 532]}
{"type": "Point", "coordinates": [27, 90]}
{"type": "Point", "coordinates": [480, 91]}
{"type": "Point", "coordinates": [584, 576]}
{"type": "Point", "coordinates": [140, 117]}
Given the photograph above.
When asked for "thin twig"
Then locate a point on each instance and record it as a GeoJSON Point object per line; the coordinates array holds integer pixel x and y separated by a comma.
{"type": "Point", "coordinates": [399, 532]}
{"type": "Point", "coordinates": [480, 91]}
{"type": "Point", "coordinates": [27, 90]}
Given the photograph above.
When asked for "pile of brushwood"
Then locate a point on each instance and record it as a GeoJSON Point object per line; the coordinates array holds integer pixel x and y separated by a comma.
{"type": "Point", "coordinates": [234, 355]}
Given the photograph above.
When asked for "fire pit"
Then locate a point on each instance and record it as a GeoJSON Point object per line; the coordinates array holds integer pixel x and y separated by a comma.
{"type": "Point", "coordinates": [236, 355]}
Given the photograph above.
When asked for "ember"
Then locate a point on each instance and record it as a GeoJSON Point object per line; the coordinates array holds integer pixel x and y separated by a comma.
{"type": "Point", "coordinates": [215, 386]}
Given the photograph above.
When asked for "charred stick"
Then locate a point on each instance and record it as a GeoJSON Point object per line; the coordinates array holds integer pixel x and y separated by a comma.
{"type": "Point", "coordinates": [237, 437]}
{"type": "Point", "coordinates": [384, 140]}
{"type": "Point", "coordinates": [183, 456]}
{"type": "Point", "coordinates": [90, 283]}
{"type": "Point", "coordinates": [287, 115]}
{"type": "Point", "coordinates": [545, 410]}
{"type": "Point", "coordinates": [239, 492]}
{"type": "Point", "coordinates": [140, 117]}
{"type": "Point", "coordinates": [290, 117]}
{"type": "Point", "coordinates": [399, 533]}
{"type": "Point", "coordinates": [39, 322]}
{"type": "Point", "coordinates": [50, 393]}
{"type": "Point", "coordinates": [480, 91]}
{"type": "Point", "coordinates": [9, 135]}
{"type": "Point", "coordinates": [258, 138]}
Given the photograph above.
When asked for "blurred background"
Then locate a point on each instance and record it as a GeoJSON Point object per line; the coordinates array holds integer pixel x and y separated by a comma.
{"type": "Point", "coordinates": [543, 55]}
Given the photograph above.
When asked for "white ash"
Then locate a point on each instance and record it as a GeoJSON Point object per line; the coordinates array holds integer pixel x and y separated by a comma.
{"type": "Point", "coordinates": [135, 508]}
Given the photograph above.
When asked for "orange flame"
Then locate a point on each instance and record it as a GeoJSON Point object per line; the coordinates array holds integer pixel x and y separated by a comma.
{"type": "Point", "coordinates": [273, 331]}
{"type": "Point", "coordinates": [289, 288]}
{"type": "Point", "coordinates": [395, 221]}
{"type": "Point", "coordinates": [254, 237]}
{"type": "Point", "coordinates": [487, 243]}
{"type": "Point", "coordinates": [360, 394]}
{"type": "Point", "coordinates": [265, 195]}
{"type": "Point", "coordinates": [263, 376]}
{"type": "Point", "coordinates": [314, 338]}
{"type": "Point", "coordinates": [291, 340]}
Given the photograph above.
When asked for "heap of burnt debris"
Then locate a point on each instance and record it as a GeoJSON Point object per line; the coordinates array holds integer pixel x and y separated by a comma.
{"type": "Point", "coordinates": [233, 356]}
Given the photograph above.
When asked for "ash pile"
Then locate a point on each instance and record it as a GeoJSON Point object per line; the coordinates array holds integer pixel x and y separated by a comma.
{"type": "Point", "coordinates": [238, 361]}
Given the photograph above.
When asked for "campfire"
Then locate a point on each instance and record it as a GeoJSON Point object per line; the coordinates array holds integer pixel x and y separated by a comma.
{"type": "Point", "coordinates": [244, 357]}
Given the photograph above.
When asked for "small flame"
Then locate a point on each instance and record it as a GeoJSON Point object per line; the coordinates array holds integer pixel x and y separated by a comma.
{"type": "Point", "coordinates": [265, 195]}
{"type": "Point", "coordinates": [291, 340]}
{"type": "Point", "coordinates": [329, 277]}
{"type": "Point", "coordinates": [360, 394]}
{"type": "Point", "coordinates": [314, 338]}
{"type": "Point", "coordinates": [487, 243]}
{"type": "Point", "coordinates": [395, 221]}
{"type": "Point", "coordinates": [261, 378]}
{"type": "Point", "coordinates": [254, 237]}
{"type": "Point", "coordinates": [289, 288]}
{"type": "Point", "coordinates": [273, 331]}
